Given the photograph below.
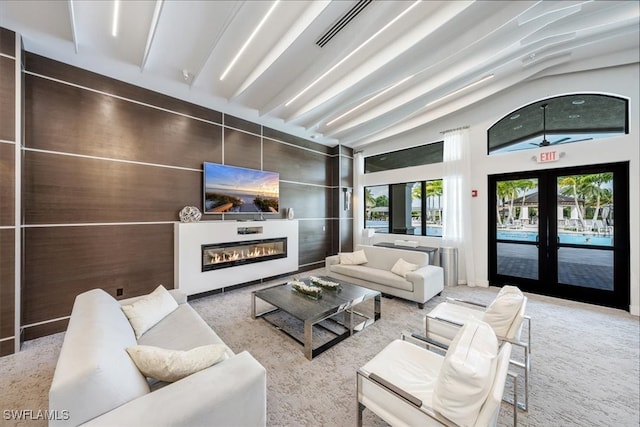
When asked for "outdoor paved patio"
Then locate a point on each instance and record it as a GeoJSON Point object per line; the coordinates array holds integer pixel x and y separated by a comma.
{"type": "Point", "coordinates": [591, 268]}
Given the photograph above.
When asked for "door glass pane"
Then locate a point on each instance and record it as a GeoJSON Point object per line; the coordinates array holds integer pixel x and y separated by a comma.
{"type": "Point", "coordinates": [585, 230]}
{"type": "Point", "coordinates": [517, 228]}
{"type": "Point", "coordinates": [518, 260]}
{"type": "Point", "coordinates": [590, 268]}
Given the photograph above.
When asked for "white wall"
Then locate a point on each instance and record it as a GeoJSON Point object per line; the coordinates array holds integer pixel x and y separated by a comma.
{"type": "Point", "coordinates": [620, 81]}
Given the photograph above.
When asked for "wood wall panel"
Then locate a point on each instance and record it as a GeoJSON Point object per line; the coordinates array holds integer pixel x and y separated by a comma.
{"type": "Point", "coordinates": [241, 124]}
{"type": "Point", "coordinates": [346, 234]}
{"type": "Point", "coordinates": [7, 284]}
{"type": "Point", "coordinates": [66, 190]}
{"type": "Point", "coordinates": [33, 332]}
{"type": "Point", "coordinates": [7, 42]}
{"type": "Point", "coordinates": [242, 149]}
{"type": "Point", "coordinates": [307, 201]}
{"type": "Point", "coordinates": [62, 262]}
{"type": "Point", "coordinates": [346, 171]}
{"type": "Point", "coordinates": [64, 118]}
{"type": "Point", "coordinates": [294, 140]}
{"type": "Point", "coordinates": [314, 241]}
{"type": "Point", "coordinates": [297, 165]}
{"type": "Point", "coordinates": [6, 348]}
{"type": "Point", "coordinates": [7, 184]}
{"type": "Point", "coordinates": [7, 99]}
{"type": "Point", "coordinates": [58, 70]}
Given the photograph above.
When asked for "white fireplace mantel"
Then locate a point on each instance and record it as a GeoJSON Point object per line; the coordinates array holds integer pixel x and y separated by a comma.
{"type": "Point", "coordinates": [189, 238]}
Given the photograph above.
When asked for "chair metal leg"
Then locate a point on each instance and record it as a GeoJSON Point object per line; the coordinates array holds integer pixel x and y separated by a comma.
{"type": "Point", "coordinates": [526, 367]}
{"type": "Point", "coordinates": [359, 414]}
{"type": "Point", "coordinates": [514, 379]}
{"type": "Point", "coordinates": [360, 406]}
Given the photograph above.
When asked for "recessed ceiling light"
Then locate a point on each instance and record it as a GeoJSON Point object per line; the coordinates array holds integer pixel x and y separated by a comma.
{"type": "Point", "coordinates": [574, 116]}
{"type": "Point", "coordinates": [515, 116]}
{"type": "Point", "coordinates": [578, 102]}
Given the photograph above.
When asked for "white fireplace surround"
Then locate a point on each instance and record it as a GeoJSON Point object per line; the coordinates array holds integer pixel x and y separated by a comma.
{"type": "Point", "coordinates": [189, 238]}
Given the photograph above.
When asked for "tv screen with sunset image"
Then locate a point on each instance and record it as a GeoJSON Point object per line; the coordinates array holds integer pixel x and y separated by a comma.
{"type": "Point", "coordinates": [232, 189]}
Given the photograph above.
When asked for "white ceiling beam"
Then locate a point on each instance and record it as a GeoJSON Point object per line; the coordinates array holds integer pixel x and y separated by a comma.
{"type": "Point", "coordinates": [72, 19]}
{"type": "Point", "coordinates": [152, 32]}
{"type": "Point", "coordinates": [232, 15]}
{"type": "Point", "coordinates": [310, 14]}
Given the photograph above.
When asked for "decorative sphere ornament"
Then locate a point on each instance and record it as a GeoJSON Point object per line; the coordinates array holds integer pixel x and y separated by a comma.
{"type": "Point", "coordinates": [190, 214]}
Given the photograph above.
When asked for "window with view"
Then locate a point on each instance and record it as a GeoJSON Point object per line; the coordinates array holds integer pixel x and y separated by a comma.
{"type": "Point", "coordinates": [413, 208]}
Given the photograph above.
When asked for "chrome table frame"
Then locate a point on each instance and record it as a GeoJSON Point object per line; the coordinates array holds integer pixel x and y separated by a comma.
{"type": "Point", "coordinates": [341, 305]}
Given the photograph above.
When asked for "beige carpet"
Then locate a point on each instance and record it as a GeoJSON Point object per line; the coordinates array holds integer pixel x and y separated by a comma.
{"type": "Point", "coordinates": [586, 363]}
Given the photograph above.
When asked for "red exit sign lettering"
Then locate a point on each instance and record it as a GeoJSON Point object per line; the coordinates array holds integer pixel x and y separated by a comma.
{"type": "Point", "coordinates": [548, 156]}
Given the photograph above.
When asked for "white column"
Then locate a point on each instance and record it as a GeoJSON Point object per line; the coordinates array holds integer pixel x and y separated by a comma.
{"type": "Point", "coordinates": [357, 202]}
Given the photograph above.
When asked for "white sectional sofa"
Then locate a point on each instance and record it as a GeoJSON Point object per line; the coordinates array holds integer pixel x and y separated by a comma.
{"type": "Point", "coordinates": [96, 383]}
{"type": "Point", "coordinates": [419, 285]}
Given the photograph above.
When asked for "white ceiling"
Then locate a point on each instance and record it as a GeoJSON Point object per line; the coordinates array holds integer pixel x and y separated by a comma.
{"type": "Point", "coordinates": [426, 51]}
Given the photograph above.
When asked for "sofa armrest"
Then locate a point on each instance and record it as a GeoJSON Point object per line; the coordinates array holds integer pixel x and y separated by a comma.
{"type": "Point", "coordinates": [427, 282]}
{"type": "Point", "coordinates": [332, 260]}
{"type": "Point", "coordinates": [426, 273]}
{"type": "Point", "coordinates": [233, 392]}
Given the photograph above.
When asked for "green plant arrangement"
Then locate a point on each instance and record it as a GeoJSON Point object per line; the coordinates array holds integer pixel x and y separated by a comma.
{"type": "Point", "coordinates": [324, 283]}
{"type": "Point", "coordinates": [307, 290]}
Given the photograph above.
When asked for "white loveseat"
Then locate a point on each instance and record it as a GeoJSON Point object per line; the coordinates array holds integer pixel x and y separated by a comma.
{"type": "Point", "coordinates": [419, 285]}
{"type": "Point", "coordinates": [96, 383]}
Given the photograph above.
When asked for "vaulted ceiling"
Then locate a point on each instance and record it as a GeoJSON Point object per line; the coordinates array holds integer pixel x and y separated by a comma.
{"type": "Point", "coordinates": [388, 66]}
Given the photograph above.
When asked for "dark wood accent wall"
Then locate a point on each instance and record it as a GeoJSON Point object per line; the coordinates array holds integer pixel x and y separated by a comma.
{"type": "Point", "coordinates": [107, 167]}
{"type": "Point", "coordinates": [8, 89]}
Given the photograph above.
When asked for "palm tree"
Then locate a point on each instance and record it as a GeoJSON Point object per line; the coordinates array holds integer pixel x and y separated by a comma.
{"type": "Point", "coordinates": [569, 186]}
{"type": "Point", "coordinates": [590, 186]}
{"type": "Point", "coordinates": [524, 185]}
{"type": "Point", "coordinates": [369, 200]}
{"type": "Point", "coordinates": [434, 189]}
{"type": "Point", "coordinates": [502, 193]}
{"type": "Point", "coordinates": [508, 190]}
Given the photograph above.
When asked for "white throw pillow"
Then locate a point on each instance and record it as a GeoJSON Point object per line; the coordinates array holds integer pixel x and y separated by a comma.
{"type": "Point", "coordinates": [144, 313]}
{"type": "Point", "coordinates": [467, 373]}
{"type": "Point", "coordinates": [353, 258]}
{"type": "Point", "coordinates": [501, 313]}
{"type": "Point", "coordinates": [172, 365]}
{"type": "Point", "coordinates": [402, 267]}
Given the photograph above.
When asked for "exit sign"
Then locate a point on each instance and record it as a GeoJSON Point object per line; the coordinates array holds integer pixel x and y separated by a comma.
{"type": "Point", "coordinates": [548, 156]}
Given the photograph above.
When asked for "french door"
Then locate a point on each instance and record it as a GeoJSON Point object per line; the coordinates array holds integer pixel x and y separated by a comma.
{"type": "Point", "coordinates": [562, 232]}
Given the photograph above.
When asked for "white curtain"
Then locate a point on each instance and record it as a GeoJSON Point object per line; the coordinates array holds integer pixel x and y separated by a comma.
{"type": "Point", "coordinates": [456, 189]}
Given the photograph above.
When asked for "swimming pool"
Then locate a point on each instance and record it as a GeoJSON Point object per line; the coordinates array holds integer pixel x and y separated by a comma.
{"type": "Point", "coordinates": [569, 238]}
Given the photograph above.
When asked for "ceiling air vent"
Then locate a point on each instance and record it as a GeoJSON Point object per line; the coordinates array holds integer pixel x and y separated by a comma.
{"type": "Point", "coordinates": [342, 22]}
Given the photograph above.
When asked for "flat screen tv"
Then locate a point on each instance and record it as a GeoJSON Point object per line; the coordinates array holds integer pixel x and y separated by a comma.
{"type": "Point", "coordinates": [231, 189]}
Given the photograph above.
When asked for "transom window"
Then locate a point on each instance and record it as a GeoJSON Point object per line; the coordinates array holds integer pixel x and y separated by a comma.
{"type": "Point", "coordinates": [560, 120]}
{"type": "Point", "coordinates": [415, 156]}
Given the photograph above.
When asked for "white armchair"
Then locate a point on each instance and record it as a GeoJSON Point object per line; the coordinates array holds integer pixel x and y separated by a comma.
{"type": "Point", "coordinates": [506, 315]}
{"type": "Point", "coordinates": [407, 385]}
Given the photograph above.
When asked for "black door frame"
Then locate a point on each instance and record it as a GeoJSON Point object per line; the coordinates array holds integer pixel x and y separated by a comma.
{"type": "Point", "coordinates": [546, 284]}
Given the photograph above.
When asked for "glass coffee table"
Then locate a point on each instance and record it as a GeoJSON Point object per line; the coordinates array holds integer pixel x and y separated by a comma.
{"type": "Point", "coordinates": [332, 317]}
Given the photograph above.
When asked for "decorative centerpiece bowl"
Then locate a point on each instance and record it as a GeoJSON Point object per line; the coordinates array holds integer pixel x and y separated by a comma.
{"type": "Point", "coordinates": [313, 292]}
{"type": "Point", "coordinates": [333, 286]}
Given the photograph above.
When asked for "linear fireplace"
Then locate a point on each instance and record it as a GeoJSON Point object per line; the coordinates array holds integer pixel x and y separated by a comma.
{"type": "Point", "coordinates": [230, 254]}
